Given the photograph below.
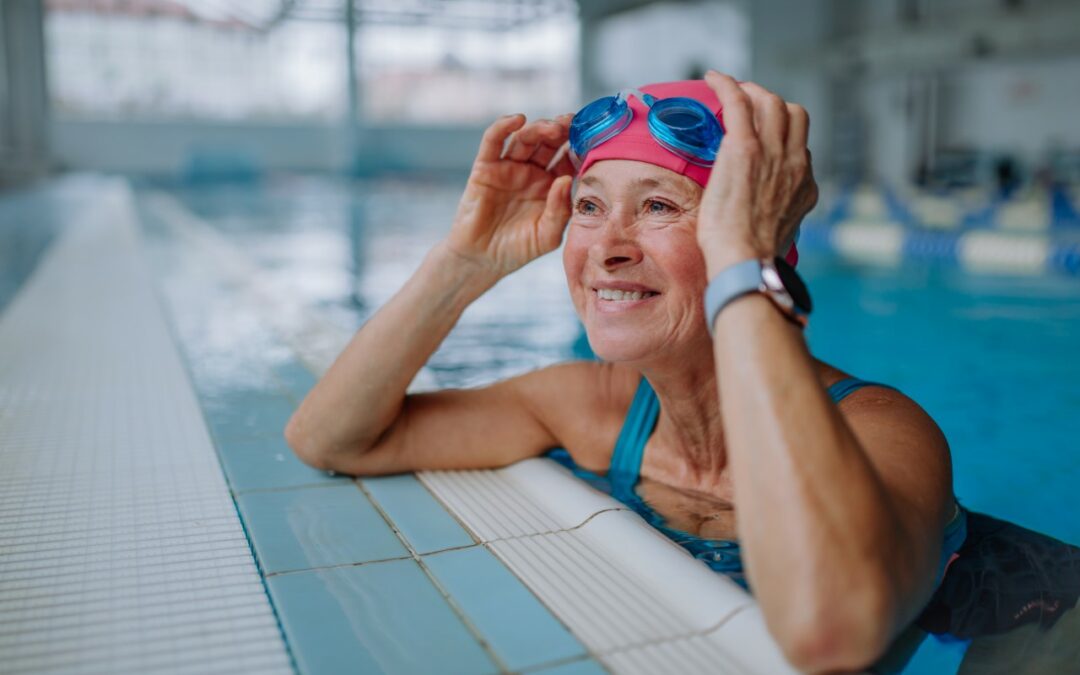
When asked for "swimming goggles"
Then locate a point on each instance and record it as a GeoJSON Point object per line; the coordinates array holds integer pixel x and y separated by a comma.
{"type": "Point", "coordinates": [682, 125]}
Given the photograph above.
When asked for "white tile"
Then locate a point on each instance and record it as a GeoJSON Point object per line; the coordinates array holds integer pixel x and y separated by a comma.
{"type": "Point", "coordinates": [746, 637]}
{"type": "Point", "coordinates": [122, 548]}
{"type": "Point", "coordinates": [570, 501]}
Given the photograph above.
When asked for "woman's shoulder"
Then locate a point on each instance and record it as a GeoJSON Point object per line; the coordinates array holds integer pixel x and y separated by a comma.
{"type": "Point", "coordinates": [846, 386]}
{"type": "Point", "coordinates": [879, 414]}
{"type": "Point", "coordinates": [584, 404]}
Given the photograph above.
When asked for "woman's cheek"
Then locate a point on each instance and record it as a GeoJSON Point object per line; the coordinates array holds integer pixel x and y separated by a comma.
{"type": "Point", "coordinates": [575, 253]}
{"type": "Point", "coordinates": [681, 257]}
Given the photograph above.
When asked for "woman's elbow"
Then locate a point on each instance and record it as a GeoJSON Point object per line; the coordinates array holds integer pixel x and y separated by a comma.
{"type": "Point", "coordinates": [305, 447]}
{"type": "Point", "coordinates": [841, 635]}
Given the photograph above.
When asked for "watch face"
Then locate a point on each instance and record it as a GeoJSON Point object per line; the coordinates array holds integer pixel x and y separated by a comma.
{"type": "Point", "coordinates": [794, 285]}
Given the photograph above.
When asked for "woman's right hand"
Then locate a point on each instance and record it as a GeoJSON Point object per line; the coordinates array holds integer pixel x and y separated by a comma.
{"type": "Point", "coordinates": [514, 208]}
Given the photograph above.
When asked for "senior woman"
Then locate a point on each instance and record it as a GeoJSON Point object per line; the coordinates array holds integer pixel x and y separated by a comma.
{"type": "Point", "coordinates": [840, 509]}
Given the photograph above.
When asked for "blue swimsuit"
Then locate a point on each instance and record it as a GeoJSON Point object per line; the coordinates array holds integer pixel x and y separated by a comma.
{"type": "Point", "coordinates": [719, 554]}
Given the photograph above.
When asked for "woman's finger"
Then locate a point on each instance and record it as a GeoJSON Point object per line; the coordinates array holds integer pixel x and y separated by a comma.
{"type": "Point", "coordinates": [738, 114]}
{"type": "Point", "coordinates": [770, 117]}
{"type": "Point", "coordinates": [561, 164]}
{"type": "Point", "coordinates": [525, 141]}
{"type": "Point", "coordinates": [516, 148]}
{"type": "Point", "coordinates": [491, 144]}
{"type": "Point", "coordinates": [556, 214]}
{"type": "Point", "coordinates": [543, 155]}
{"type": "Point", "coordinates": [798, 129]}
{"type": "Point", "coordinates": [551, 139]}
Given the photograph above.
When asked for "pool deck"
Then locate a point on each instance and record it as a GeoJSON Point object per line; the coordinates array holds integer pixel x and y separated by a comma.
{"type": "Point", "coordinates": [152, 518]}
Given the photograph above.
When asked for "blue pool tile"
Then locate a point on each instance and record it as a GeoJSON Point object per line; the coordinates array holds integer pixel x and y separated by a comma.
{"type": "Point", "coordinates": [378, 618]}
{"type": "Point", "coordinates": [296, 378]}
{"type": "Point", "coordinates": [267, 462]}
{"type": "Point", "coordinates": [245, 414]}
{"type": "Point", "coordinates": [583, 667]}
{"type": "Point", "coordinates": [303, 528]}
{"type": "Point", "coordinates": [420, 518]}
{"type": "Point", "coordinates": [519, 629]}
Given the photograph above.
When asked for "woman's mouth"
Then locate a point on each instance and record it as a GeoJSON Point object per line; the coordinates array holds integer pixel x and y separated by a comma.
{"type": "Point", "coordinates": [615, 295]}
{"type": "Point", "coordinates": [619, 296]}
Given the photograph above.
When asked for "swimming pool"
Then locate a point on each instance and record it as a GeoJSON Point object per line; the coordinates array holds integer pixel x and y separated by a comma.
{"type": "Point", "coordinates": [992, 358]}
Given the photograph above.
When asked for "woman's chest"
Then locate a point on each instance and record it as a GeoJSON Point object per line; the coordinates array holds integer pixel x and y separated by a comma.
{"type": "Point", "coordinates": [689, 509]}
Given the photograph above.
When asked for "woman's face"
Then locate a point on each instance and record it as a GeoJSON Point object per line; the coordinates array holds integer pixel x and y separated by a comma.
{"type": "Point", "coordinates": [635, 272]}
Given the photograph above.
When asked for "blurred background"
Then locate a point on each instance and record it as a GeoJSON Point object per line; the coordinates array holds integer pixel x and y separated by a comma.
{"type": "Point", "coordinates": [949, 94]}
{"type": "Point", "coordinates": [317, 148]}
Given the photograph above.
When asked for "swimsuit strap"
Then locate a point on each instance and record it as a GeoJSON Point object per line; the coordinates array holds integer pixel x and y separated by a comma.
{"type": "Point", "coordinates": [641, 419]}
{"type": "Point", "coordinates": [630, 448]}
{"type": "Point", "coordinates": [721, 556]}
{"type": "Point", "coordinates": [840, 390]}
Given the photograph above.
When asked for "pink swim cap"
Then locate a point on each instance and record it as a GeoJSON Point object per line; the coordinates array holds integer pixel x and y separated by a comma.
{"type": "Point", "coordinates": [636, 142]}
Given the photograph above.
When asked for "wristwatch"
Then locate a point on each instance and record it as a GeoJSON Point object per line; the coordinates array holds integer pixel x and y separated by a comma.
{"type": "Point", "coordinates": [772, 276]}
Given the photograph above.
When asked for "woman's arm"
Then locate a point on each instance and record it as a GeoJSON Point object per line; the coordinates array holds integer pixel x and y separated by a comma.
{"type": "Point", "coordinates": [357, 418]}
{"type": "Point", "coordinates": [841, 515]}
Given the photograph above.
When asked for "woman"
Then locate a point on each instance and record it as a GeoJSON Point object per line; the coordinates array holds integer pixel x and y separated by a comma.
{"type": "Point", "coordinates": [840, 509]}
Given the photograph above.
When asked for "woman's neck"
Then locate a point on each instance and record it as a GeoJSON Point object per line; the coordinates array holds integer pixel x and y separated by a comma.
{"type": "Point", "coordinates": [689, 435]}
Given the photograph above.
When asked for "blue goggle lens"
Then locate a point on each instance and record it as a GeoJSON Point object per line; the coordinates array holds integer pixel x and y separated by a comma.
{"type": "Point", "coordinates": [682, 125]}
{"type": "Point", "coordinates": [687, 128]}
{"type": "Point", "coordinates": [597, 122]}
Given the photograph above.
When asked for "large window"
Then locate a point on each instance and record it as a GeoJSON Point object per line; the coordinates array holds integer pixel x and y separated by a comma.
{"type": "Point", "coordinates": [442, 75]}
{"type": "Point", "coordinates": [166, 59]}
{"type": "Point", "coordinates": [416, 62]}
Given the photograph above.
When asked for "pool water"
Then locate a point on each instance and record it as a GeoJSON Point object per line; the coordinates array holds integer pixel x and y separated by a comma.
{"type": "Point", "coordinates": [994, 359]}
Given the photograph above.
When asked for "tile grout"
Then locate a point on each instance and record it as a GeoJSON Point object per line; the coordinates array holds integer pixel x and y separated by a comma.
{"type": "Point", "coordinates": [474, 630]}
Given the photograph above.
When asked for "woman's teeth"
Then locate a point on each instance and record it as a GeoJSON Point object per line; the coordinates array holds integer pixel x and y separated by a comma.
{"type": "Point", "coordinates": [612, 294]}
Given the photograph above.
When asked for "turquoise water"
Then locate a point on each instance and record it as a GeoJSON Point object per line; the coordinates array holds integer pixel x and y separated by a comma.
{"type": "Point", "coordinates": [993, 359]}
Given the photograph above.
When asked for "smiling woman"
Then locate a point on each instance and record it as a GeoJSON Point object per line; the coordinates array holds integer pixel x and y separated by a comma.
{"type": "Point", "coordinates": [623, 209]}
{"type": "Point", "coordinates": [740, 418]}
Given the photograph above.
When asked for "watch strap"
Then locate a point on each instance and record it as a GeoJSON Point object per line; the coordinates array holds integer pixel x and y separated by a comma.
{"type": "Point", "coordinates": [732, 282]}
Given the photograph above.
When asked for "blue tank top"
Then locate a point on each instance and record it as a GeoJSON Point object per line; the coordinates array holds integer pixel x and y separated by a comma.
{"type": "Point", "coordinates": [719, 554]}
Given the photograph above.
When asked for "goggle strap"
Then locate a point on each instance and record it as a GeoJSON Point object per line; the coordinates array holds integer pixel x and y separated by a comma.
{"type": "Point", "coordinates": [563, 151]}
{"type": "Point", "coordinates": [647, 99]}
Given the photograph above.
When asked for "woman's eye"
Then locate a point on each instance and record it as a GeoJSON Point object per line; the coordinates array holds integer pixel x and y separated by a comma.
{"type": "Point", "coordinates": [656, 207]}
{"type": "Point", "coordinates": [586, 208]}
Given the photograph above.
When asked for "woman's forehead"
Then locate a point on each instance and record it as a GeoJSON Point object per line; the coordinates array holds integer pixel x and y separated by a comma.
{"type": "Point", "coordinates": [624, 175]}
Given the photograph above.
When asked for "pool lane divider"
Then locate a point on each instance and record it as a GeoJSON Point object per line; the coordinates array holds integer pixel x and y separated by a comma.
{"type": "Point", "coordinates": [362, 573]}
{"type": "Point", "coordinates": [977, 251]}
{"type": "Point", "coordinates": [875, 225]}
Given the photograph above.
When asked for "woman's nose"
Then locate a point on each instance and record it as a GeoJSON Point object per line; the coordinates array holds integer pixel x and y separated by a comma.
{"type": "Point", "coordinates": [616, 246]}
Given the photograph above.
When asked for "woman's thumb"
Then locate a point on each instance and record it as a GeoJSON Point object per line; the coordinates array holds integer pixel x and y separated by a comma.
{"type": "Point", "coordinates": [556, 213]}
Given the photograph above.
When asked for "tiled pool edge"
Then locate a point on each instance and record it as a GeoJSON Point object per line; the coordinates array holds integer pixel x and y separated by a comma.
{"type": "Point", "coordinates": [362, 487]}
{"type": "Point", "coordinates": [266, 575]}
{"type": "Point", "coordinates": [174, 333]}
{"type": "Point", "coordinates": [83, 282]}
{"type": "Point", "coordinates": [703, 634]}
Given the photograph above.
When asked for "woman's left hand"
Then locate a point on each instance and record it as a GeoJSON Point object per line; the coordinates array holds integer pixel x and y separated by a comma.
{"type": "Point", "coordinates": [762, 183]}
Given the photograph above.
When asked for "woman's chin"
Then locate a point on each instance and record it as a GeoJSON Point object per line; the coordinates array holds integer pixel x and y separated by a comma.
{"type": "Point", "coordinates": [619, 346]}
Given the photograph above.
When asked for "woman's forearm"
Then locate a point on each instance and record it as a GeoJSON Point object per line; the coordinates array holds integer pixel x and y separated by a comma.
{"type": "Point", "coordinates": [362, 393]}
{"type": "Point", "coordinates": [823, 543]}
